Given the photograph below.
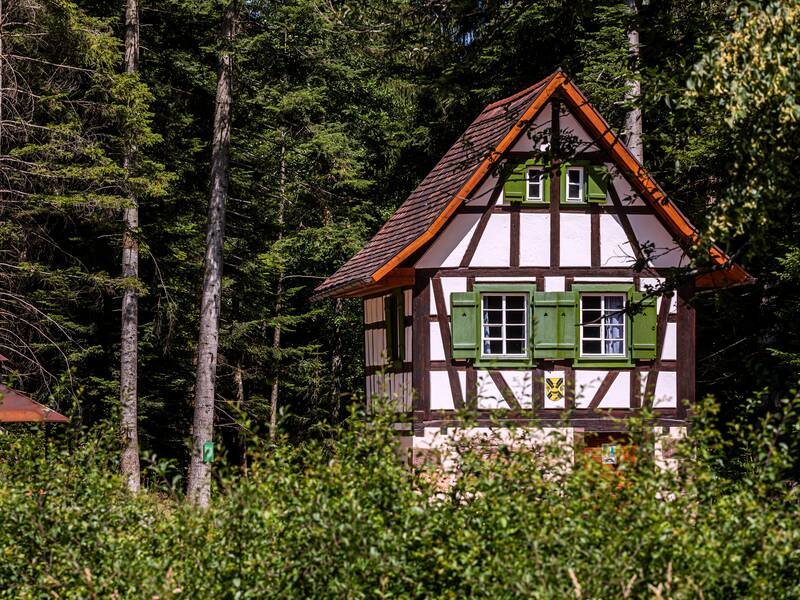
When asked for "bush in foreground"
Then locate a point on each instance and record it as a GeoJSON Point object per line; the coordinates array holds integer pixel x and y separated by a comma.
{"type": "Point", "coordinates": [346, 519]}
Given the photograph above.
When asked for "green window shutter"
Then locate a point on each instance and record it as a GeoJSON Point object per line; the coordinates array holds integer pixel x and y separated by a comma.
{"type": "Point", "coordinates": [643, 338]}
{"type": "Point", "coordinates": [596, 183]}
{"type": "Point", "coordinates": [554, 324]}
{"type": "Point", "coordinates": [465, 324]}
{"type": "Point", "coordinates": [514, 187]}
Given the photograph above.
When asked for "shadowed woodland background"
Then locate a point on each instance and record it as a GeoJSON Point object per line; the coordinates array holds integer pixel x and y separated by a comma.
{"type": "Point", "coordinates": [339, 110]}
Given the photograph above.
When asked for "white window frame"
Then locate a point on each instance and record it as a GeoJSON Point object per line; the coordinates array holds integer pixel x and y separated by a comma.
{"type": "Point", "coordinates": [602, 339]}
{"type": "Point", "coordinates": [581, 184]}
{"type": "Point", "coordinates": [528, 197]}
{"type": "Point", "coordinates": [504, 337]}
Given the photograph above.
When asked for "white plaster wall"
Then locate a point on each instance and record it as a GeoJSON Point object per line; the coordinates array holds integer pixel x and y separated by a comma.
{"type": "Point", "coordinates": [615, 251]}
{"type": "Point", "coordinates": [647, 228]}
{"type": "Point", "coordinates": [519, 381]}
{"type": "Point", "coordinates": [449, 247]}
{"type": "Point", "coordinates": [670, 351]}
{"type": "Point", "coordinates": [619, 394]}
{"type": "Point", "coordinates": [494, 246]}
{"type": "Point", "coordinates": [555, 284]}
{"type": "Point", "coordinates": [449, 285]}
{"type": "Point", "coordinates": [573, 132]}
{"type": "Point", "coordinates": [538, 129]}
{"type": "Point", "coordinates": [435, 338]}
{"type": "Point", "coordinates": [587, 383]}
{"type": "Point", "coordinates": [576, 243]}
{"type": "Point", "coordinates": [666, 390]}
{"type": "Point", "coordinates": [483, 195]}
{"type": "Point", "coordinates": [534, 239]}
{"type": "Point", "coordinates": [626, 194]}
{"type": "Point", "coordinates": [487, 394]}
{"type": "Point", "coordinates": [441, 395]}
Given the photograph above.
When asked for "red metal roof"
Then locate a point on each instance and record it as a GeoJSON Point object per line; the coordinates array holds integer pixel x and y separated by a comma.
{"type": "Point", "coordinates": [16, 407]}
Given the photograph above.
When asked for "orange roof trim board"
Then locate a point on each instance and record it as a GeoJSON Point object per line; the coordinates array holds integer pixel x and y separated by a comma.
{"type": "Point", "coordinates": [429, 207]}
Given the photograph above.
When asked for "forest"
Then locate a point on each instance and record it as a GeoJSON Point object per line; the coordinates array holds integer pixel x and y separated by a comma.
{"type": "Point", "coordinates": [177, 177]}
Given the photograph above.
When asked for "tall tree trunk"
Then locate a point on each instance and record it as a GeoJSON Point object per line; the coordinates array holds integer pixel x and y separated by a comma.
{"type": "Point", "coordinates": [276, 333]}
{"type": "Point", "coordinates": [337, 363]}
{"type": "Point", "coordinates": [633, 120]}
{"type": "Point", "coordinates": [129, 341]}
{"type": "Point", "coordinates": [199, 484]}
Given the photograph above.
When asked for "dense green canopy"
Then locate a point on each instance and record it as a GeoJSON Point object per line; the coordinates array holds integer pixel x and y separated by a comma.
{"type": "Point", "coordinates": [339, 110]}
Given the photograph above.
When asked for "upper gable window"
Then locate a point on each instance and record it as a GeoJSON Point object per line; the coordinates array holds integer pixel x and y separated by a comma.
{"type": "Point", "coordinates": [575, 184]}
{"type": "Point", "coordinates": [535, 185]}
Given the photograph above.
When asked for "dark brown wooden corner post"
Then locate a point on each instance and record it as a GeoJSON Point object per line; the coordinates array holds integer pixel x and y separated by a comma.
{"type": "Point", "coordinates": [686, 333]}
{"type": "Point", "coordinates": [421, 357]}
{"type": "Point", "coordinates": [555, 185]}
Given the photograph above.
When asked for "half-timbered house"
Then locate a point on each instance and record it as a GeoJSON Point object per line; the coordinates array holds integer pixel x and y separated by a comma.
{"type": "Point", "coordinates": [524, 277]}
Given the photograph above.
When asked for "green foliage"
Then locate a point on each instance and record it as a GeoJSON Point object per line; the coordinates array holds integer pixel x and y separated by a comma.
{"type": "Point", "coordinates": [345, 518]}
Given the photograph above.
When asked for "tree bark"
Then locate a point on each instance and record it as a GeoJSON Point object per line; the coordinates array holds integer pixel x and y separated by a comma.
{"type": "Point", "coordinates": [129, 339]}
{"type": "Point", "coordinates": [633, 120]}
{"type": "Point", "coordinates": [199, 484]}
{"type": "Point", "coordinates": [276, 333]}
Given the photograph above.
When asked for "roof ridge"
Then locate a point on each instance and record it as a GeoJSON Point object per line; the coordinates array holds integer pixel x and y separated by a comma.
{"type": "Point", "coordinates": [519, 95]}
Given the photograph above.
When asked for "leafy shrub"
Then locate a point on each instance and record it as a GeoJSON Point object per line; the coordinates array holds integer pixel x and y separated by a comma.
{"type": "Point", "coordinates": [346, 519]}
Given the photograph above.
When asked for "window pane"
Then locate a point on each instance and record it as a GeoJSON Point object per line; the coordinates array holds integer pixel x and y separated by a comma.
{"type": "Point", "coordinates": [614, 347]}
{"type": "Point", "coordinates": [494, 347]}
{"type": "Point", "coordinates": [615, 302]}
{"type": "Point", "coordinates": [592, 331]}
{"type": "Point", "coordinates": [615, 318]}
{"type": "Point", "coordinates": [515, 347]}
{"type": "Point", "coordinates": [515, 316]}
{"type": "Point", "coordinates": [515, 332]}
{"type": "Point", "coordinates": [591, 346]}
{"type": "Point", "coordinates": [493, 316]}
{"type": "Point", "coordinates": [591, 301]}
{"type": "Point", "coordinates": [574, 176]}
{"type": "Point", "coordinates": [493, 302]}
{"type": "Point", "coordinates": [590, 317]}
{"type": "Point", "coordinates": [492, 332]}
{"type": "Point", "coordinates": [515, 302]}
{"type": "Point", "coordinates": [534, 184]}
{"type": "Point", "coordinates": [613, 332]}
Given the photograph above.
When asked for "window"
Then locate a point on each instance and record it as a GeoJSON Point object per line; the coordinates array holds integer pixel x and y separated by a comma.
{"type": "Point", "coordinates": [504, 330]}
{"type": "Point", "coordinates": [535, 190]}
{"type": "Point", "coordinates": [603, 325]}
{"type": "Point", "coordinates": [575, 184]}
{"type": "Point", "coordinates": [394, 319]}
